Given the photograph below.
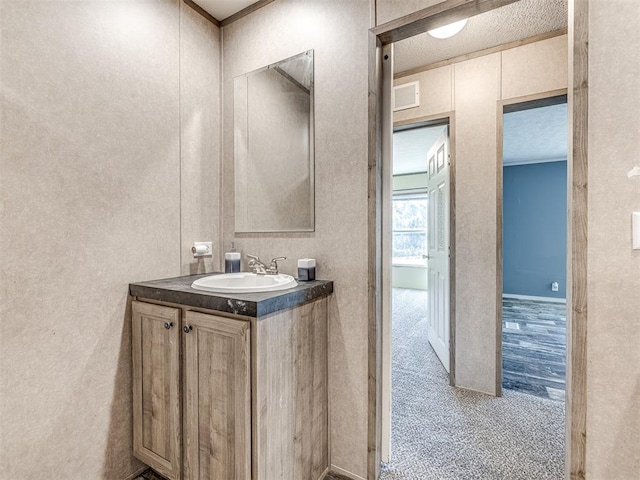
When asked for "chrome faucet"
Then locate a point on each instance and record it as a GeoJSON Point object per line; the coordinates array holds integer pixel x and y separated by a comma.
{"type": "Point", "coordinates": [273, 266]}
{"type": "Point", "coordinates": [256, 265]}
{"type": "Point", "coordinates": [260, 268]}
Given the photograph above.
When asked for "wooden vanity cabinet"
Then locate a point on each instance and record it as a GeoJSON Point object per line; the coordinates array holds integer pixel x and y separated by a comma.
{"type": "Point", "coordinates": [231, 398]}
{"type": "Point", "coordinates": [213, 439]}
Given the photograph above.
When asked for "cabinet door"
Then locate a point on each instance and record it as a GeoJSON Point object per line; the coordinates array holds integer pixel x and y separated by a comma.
{"type": "Point", "coordinates": [217, 411]}
{"type": "Point", "coordinates": [291, 419]}
{"type": "Point", "coordinates": [156, 381]}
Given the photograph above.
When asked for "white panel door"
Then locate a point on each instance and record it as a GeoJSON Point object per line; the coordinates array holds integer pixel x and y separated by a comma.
{"type": "Point", "coordinates": [438, 234]}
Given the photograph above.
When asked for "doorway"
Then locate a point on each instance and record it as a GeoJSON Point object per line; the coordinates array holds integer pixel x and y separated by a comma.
{"type": "Point", "coordinates": [380, 81]}
{"type": "Point", "coordinates": [430, 421]}
{"type": "Point", "coordinates": [420, 221]}
{"type": "Point", "coordinates": [534, 246]}
{"type": "Point", "coordinates": [416, 256]}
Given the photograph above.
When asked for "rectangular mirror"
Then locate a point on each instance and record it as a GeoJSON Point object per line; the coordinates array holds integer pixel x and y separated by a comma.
{"type": "Point", "coordinates": [274, 147]}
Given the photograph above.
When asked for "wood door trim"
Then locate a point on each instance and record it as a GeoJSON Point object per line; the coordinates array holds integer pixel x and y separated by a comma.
{"type": "Point", "coordinates": [435, 16]}
{"type": "Point", "coordinates": [536, 100]}
{"type": "Point", "coordinates": [576, 398]}
{"type": "Point", "coordinates": [426, 121]}
{"type": "Point", "coordinates": [452, 248]}
{"type": "Point", "coordinates": [386, 198]}
{"type": "Point", "coordinates": [374, 252]}
{"type": "Point", "coordinates": [499, 243]}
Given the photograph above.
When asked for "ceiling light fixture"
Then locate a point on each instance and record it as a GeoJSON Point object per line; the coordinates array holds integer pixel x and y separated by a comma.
{"type": "Point", "coordinates": [448, 30]}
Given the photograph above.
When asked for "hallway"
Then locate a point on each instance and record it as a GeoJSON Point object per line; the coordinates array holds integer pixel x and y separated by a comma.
{"type": "Point", "coordinates": [440, 432]}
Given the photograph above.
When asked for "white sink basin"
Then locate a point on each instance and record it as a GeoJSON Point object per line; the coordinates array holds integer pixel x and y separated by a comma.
{"type": "Point", "coordinates": [244, 283]}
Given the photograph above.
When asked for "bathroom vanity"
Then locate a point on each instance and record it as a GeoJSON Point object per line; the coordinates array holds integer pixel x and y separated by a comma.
{"type": "Point", "coordinates": [230, 386]}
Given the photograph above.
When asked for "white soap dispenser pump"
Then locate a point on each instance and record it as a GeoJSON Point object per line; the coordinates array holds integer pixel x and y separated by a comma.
{"type": "Point", "coordinates": [232, 260]}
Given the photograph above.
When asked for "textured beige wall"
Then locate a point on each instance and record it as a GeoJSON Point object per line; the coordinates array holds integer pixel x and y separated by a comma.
{"type": "Point", "coordinates": [337, 31]}
{"type": "Point", "coordinates": [94, 136]}
{"type": "Point", "coordinates": [537, 67]}
{"type": "Point", "coordinates": [90, 164]}
{"type": "Point", "coordinates": [201, 143]}
{"type": "Point", "coordinates": [472, 92]}
{"type": "Point", "coordinates": [476, 87]}
{"type": "Point", "coordinates": [613, 331]}
{"type": "Point", "coordinates": [436, 93]}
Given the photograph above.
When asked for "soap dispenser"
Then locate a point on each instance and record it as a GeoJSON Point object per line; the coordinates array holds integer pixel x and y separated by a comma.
{"type": "Point", "coordinates": [232, 260]}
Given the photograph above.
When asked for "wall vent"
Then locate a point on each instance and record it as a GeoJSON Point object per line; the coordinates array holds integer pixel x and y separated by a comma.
{"type": "Point", "coordinates": [406, 95]}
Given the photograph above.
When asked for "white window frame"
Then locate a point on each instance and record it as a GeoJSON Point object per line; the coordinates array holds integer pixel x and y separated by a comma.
{"type": "Point", "coordinates": [409, 194]}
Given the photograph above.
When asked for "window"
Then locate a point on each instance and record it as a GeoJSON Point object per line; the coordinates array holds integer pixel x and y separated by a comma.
{"type": "Point", "coordinates": [410, 229]}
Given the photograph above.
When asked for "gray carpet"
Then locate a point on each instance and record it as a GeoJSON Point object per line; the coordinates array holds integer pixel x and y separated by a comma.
{"type": "Point", "coordinates": [440, 432]}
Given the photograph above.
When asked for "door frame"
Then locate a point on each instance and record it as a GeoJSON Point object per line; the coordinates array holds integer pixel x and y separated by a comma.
{"type": "Point", "coordinates": [381, 40]}
{"type": "Point", "coordinates": [448, 119]}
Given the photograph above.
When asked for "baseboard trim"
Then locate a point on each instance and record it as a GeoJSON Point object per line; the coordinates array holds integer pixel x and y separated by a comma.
{"type": "Point", "coordinates": [343, 474]}
{"type": "Point", "coordinates": [538, 299]}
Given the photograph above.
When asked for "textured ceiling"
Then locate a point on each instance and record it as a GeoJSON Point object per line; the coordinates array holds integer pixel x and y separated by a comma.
{"type": "Point", "coordinates": [516, 21]}
{"type": "Point", "coordinates": [410, 149]}
{"type": "Point", "coordinates": [536, 135]}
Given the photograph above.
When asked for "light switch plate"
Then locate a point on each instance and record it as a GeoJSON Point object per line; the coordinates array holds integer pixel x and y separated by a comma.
{"type": "Point", "coordinates": [635, 228]}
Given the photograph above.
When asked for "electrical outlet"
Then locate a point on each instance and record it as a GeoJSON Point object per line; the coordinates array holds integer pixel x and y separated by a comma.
{"type": "Point", "coordinates": [554, 286]}
{"type": "Point", "coordinates": [202, 249]}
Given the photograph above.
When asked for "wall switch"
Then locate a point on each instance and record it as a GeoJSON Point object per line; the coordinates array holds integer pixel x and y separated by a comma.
{"type": "Point", "coordinates": [554, 286]}
{"type": "Point", "coordinates": [635, 227]}
{"type": "Point", "coordinates": [202, 249]}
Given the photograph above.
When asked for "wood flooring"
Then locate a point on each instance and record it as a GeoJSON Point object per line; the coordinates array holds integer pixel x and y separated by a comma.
{"type": "Point", "coordinates": [534, 347]}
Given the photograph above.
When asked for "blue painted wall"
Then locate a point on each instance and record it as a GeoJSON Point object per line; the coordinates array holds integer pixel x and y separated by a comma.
{"type": "Point", "coordinates": [535, 229]}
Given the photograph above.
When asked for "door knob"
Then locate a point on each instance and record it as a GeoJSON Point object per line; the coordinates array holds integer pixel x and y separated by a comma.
{"type": "Point", "coordinates": [187, 328]}
{"type": "Point", "coordinates": [168, 325]}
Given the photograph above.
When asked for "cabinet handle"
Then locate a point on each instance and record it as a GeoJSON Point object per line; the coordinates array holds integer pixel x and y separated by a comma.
{"type": "Point", "coordinates": [187, 328]}
{"type": "Point", "coordinates": [168, 325]}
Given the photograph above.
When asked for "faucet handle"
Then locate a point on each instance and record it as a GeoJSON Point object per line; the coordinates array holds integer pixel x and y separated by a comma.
{"type": "Point", "coordinates": [256, 264]}
{"type": "Point", "coordinates": [273, 266]}
{"type": "Point", "coordinates": [253, 258]}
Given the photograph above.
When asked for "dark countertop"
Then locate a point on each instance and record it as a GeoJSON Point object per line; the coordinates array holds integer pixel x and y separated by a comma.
{"type": "Point", "coordinates": [178, 290]}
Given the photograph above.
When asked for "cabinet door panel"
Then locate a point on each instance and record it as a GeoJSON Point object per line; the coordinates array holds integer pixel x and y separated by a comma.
{"type": "Point", "coordinates": [156, 395]}
{"type": "Point", "coordinates": [291, 394]}
{"type": "Point", "coordinates": [217, 412]}
{"type": "Point", "coordinates": [312, 413]}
